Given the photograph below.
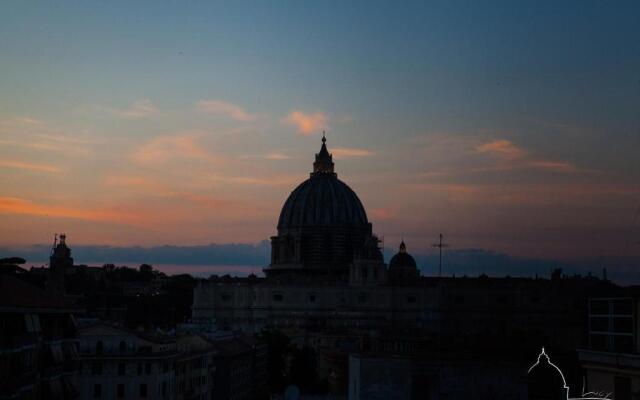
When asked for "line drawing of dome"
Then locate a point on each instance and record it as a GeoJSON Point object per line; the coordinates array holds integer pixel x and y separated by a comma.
{"type": "Point", "coordinates": [546, 381]}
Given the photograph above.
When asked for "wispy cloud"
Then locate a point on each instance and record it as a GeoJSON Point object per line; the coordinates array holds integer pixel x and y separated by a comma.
{"type": "Point", "coordinates": [276, 180]}
{"type": "Point", "coordinates": [381, 213]}
{"type": "Point", "coordinates": [277, 156]}
{"type": "Point", "coordinates": [230, 110]}
{"type": "Point", "coordinates": [164, 148]}
{"type": "Point", "coordinates": [142, 108]}
{"type": "Point", "coordinates": [307, 123]}
{"type": "Point", "coordinates": [347, 152]}
{"type": "Point", "coordinates": [13, 205]}
{"type": "Point", "coordinates": [29, 166]}
{"type": "Point", "coordinates": [503, 149]}
{"type": "Point", "coordinates": [512, 156]}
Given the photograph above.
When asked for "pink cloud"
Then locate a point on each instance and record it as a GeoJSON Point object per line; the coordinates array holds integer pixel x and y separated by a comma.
{"type": "Point", "coordinates": [504, 149]}
{"type": "Point", "coordinates": [29, 166]}
{"type": "Point", "coordinates": [13, 205]}
{"type": "Point", "coordinates": [346, 152]}
{"type": "Point", "coordinates": [307, 124]}
{"type": "Point", "coordinates": [230, 110]}
{"type": "Point", "coordinates": [164, 148]}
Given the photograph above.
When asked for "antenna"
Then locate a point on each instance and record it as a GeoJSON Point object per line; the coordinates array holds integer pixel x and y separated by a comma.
{"type": "Point", "coordinates": [440, 245]}
{"type": "Point", "coordinates": [55, 242]}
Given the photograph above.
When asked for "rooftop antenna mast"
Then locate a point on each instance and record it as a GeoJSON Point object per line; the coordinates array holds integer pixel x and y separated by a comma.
{"type": "Point", "coordinates": [55, 242]}
{"type": "Point", "coordinates": [440, 245]}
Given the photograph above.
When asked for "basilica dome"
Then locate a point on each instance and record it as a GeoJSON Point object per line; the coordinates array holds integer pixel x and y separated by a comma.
{"type": "Point", "coordinates": [322, 199]}
{"type": "Point", "coordinates": [322, 225]}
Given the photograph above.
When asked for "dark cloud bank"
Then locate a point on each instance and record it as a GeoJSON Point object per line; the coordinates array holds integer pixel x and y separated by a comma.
{"type": "Point", "coordinates": [469, 262]}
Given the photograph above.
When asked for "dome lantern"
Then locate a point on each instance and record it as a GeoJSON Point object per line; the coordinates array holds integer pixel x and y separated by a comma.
{"type": "Point", "coordinates": [324, 160]}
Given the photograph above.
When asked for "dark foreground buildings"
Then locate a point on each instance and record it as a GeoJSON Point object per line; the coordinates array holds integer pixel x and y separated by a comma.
{"type": "Point", "coordinates": [328, 288]}
{"type": "Point", "coordinates": [338, 322]}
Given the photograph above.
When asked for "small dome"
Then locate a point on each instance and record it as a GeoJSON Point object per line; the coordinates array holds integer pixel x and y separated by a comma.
{"type": "Point", "coordinates": [402, 259]}
{"type": "Point", "coordinates": [402, 265]}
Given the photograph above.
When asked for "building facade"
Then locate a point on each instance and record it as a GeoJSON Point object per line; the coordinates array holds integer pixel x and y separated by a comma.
{"type": "Point", "coordinates": [38, 343]}
{"type": "Point", "coordinates": [327, 273]}
{"type": "Point", "coordinates": [612, 360]}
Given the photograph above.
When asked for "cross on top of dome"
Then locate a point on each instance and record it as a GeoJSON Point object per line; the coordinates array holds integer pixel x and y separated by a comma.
{"type": "Point", "coordinates": [324, 160]}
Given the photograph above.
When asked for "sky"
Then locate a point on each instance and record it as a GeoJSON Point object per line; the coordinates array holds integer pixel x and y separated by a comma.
{"type": "Point", "coordinates": [512, 128]}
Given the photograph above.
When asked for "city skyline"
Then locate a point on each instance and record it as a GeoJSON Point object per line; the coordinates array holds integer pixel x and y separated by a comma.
{"type": "Point", "coordinates": [501, 127]}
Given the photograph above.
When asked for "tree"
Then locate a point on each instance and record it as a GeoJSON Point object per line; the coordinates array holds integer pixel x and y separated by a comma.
{"type": "Point", "coordinates": [146, 272]}
{"type": "Point", "coordinates": [12, 261]}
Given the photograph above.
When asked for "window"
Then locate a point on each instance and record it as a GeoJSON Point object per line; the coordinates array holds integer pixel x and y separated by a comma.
{"type": "Point", "coordinates": [364, 274]}
{"type": "Point", "coordinates": [97, 391]}
{"type": "Point", "coordinates": [121, 368]}
{"type": "Point", "coordinates": [165, 367]}
{"type": "Point", "coordinates": [278, 297]}
{"type": "Point", "coordinates": [411, 299]}
{"type": "Point", "coordinates": [139, 368]}
{"type": "Point", "coordinates": [226, 297]}
{"type": "Point", "coordinates": [312, 298]}
{"type": "Point", "coordinates": [99, 347]}
{"type": "Point", "coordinates": [362, 298]}
{"type": "Point", "coordinates": [120, 390]}
{"type": "Point", "coordinates": [123, 346]}
{"type": "Point", "coordinates": [143, 390]}
{"type": "Point", "coordinates": [33, 322]}
{"type": "Point", "coordinates": [164, 389]}
{"type": "Point", "coordinates": [96, 368]}
{"type": "Point", "coordinates": [147, 368]}
{"type": "Point", "coordinates": [459, 299]}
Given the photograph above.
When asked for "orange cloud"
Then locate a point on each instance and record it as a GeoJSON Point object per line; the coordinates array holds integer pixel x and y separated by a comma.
{"type": "Point", "coordinates": [516, 157]}
{"type": "Point", "coordinates": [345, 152]}
{"type": "Point", "coordinates": [502, 148]}
{"type": "Point", "coordinates": [381, 213]}
{"type": "Point", "coordinates": [553, 165]}
{"type": "Point", "coordinates": [163, 148]}
{"type": "Point", "coordinates": [13, 205]}
{"type": "Point", "coordinates": [29, 166]}
{"type": "Point", "coordinates": [284, 180]}
{"type": "Point", "coordinates": [277, 156]}
{"type": "Point", "coordinates": [231, 110]}
{"type": "Point", "coordinates": [307, 124]}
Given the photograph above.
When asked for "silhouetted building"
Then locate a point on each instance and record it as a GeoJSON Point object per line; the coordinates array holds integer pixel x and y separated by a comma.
{"type": "Point", "coordinates": [328, 287]}
{"type": "Point", "coordinates": [612, 360]}
{"type": "Point", "coordinates": [402, 266]}
{"type": "Point", "coordinates": [121, 364]}
{"type": "Point", "coordinates": [322, 225]}
{"type": "Point", "coordinates": [60, 262]}
{"type": "Point", "coordinates": [38, 343]}
{"type": "Point", "coordinates": [380, 377]}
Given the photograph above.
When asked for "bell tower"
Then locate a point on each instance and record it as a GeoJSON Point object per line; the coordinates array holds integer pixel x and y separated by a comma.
{"type": "Point", "coordinates": [59, 261]}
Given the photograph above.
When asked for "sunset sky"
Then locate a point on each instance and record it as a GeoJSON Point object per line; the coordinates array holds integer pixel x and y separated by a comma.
{"type": "Point", "coordinates": [507, 128]}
